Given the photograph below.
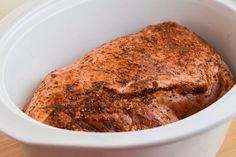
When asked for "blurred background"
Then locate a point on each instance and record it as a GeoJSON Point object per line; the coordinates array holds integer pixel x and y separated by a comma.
{"type": "Point", "coordinates": [7, 6]}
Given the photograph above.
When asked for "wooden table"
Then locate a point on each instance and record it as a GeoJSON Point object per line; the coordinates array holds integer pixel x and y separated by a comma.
{"type": "Point", "coordinates": [9, 148]}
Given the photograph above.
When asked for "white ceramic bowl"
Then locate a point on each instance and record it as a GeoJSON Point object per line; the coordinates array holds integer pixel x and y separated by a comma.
{"type": "Point", "coordinates": [44, 35]}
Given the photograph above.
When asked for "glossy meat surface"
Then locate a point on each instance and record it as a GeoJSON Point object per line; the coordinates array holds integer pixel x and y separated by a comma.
{"type": "Point", "coordinates": [157, 76]}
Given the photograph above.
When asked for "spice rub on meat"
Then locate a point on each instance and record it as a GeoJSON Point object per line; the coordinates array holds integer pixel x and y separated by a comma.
{"type": "Point", "coordinates": [157, 76]}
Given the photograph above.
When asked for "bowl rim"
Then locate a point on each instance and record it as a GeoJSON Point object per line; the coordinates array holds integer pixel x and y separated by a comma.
{"type": "Point", "coordinates": [34, 132]}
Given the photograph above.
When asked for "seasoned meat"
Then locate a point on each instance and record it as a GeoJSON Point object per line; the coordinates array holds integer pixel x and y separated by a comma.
{"type": "Point", "coordinates": [157, 76]}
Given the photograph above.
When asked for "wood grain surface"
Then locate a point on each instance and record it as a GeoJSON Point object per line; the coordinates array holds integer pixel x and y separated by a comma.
{"type": "Point", "coordinates": [9, 148]}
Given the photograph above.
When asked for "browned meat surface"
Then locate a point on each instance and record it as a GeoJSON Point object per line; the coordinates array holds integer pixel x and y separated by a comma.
{"type": "Point", "coordinates": [154, 77]}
